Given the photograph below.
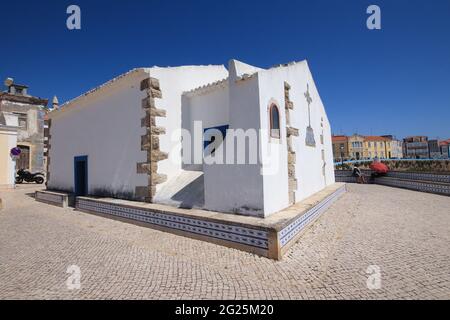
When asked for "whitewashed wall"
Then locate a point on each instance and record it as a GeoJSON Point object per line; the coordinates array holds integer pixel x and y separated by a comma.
{"type": "Point", "coordinates": [212, 108]}
{"type": "Point", "coordinates": [209, 108]}
{"type": "Point", "coordinates": [173, 82]}
{"type": "Point", "coordinates": [105, 126]}
{"type": "Point", "coordinates": [309, 162]}
{"type": "Point", "coordinates": [242, 188]}
{"type": "Point", "coordinates": [8, 140]}
{"type": "Point", "coordinates": [237, 187]}
{"type": "Point", "coordinates": [274, 151]}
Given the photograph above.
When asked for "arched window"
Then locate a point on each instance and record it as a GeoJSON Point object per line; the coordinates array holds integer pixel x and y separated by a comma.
{"type": "Point", "coordinates": [274, 121]}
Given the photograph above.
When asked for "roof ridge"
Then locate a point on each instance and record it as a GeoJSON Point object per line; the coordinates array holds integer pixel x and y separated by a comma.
{"type": "Point", "coordinates": [103, 85]}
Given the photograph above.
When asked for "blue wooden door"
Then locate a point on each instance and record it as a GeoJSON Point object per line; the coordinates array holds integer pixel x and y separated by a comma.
{"type": "Point", "coordinates": [81, 175]}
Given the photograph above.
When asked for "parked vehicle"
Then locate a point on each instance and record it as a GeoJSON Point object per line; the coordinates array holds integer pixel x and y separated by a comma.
{"type": "Point", "coordinates": [27, 176]}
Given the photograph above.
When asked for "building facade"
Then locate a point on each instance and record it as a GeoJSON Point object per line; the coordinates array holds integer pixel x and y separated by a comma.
{"type": "Point", "coordinates": [434, 149]}
{"type": "Point", "coordinates": [445, 148]}
{"type": "Point", "coordinates": [30, 111]}
{"type": "Point", "coordinates": [340, 148]}
{"type": "Point", "coordinates": [394, 147]}
{"type": "Point", "coordinates": [397, 149]}
{"type": "Point", "coordinates": [416, 147]}
{"type": "Point", "coordinates": [8, 140]}
{"type": "Point", "coordinates": [359, 147]}
{"type": "Point", "coordinates": [97, 146]}
{"type": "Point", "coordinates": [377, 147]}
{"type": "Point", "coordinates": [356, 147]}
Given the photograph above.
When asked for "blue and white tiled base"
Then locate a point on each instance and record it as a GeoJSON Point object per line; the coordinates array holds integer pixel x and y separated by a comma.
{"type": "Point", "coordinates": [234, 233]}
{"type": "Point", "coordinates": [418, 181]}
{"type": "Point", "coordinates": [424, 186]}
{"type": "Point", "coordinates": [348, 179]}
{"type": "Point", "coordinates": [289, 232]}
{"type": "Point", "coordinates": [257, 236]}
{"type": "Point", "coordinates": [443, 178]}
{"type": "Point", "coordinates": [347, 176]}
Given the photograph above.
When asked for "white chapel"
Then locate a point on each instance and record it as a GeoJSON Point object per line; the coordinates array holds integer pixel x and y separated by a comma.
{"type": "Point", "coordinates": [241, 139]}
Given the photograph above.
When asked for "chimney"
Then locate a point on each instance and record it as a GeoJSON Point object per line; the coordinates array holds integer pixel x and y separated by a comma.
{"type": "Point", "coordinates": [8, 82]}
{"type": "Point", "coordinates": [16, 89]}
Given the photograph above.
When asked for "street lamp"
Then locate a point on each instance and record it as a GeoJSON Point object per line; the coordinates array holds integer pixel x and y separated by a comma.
{"type": "Point", "coordinates": [342, 156]}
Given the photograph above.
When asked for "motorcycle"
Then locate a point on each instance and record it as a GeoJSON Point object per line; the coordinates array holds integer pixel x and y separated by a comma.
{"type": "Point", "coordinates": [27, 176]}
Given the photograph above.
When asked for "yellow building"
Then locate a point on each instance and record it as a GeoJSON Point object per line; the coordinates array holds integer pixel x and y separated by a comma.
{"type": "Point", "coordinates": [8, 140]}
{"type": "Point", "coordinates": [356, 147]}
{"type": "Point", "coordinates": [376, 146]}
{"type": "Point", "coordinates": [394, 147]}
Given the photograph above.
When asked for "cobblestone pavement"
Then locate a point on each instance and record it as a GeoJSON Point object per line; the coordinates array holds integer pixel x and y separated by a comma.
{"type": "Point", "coordinates": [405, 233]}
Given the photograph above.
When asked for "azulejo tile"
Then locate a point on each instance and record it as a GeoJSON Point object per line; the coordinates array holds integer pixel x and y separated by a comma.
{"type": "Point", "coordinates": [289, 232]}
{"type": "Point", "coordinates": [247, 236]}
{"type": "Point", "coordinates": [416, 185]}
{"type": "Point", "coordinates": [445, 178]}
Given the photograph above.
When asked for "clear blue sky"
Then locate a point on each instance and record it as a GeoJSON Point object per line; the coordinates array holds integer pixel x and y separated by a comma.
{"type": "Point", "coordinates": [402, 71]}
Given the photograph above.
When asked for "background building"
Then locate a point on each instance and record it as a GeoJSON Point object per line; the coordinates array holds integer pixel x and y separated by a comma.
{"type": "Point", "coordinates": [434, 149]}
{"type": "Point", "coordinates": [416, 147]}
{"type": "Point", "coordinates": [394, 147]}
{"type": "Point", "coordinates": [30, 112]}
{"type": "Point", "coordinates": [340, 148]}
{"type": "Point", "coordinates": [366, 147]}
{"type": "Point", "coordinates": [445, 148]}
{"type": "Point", "coordinates": [356, 146]}
{"type": "Point", "coordinates": [397, 149]}
{"type": "Point", "coordinates": [376, 146]}
{"type": "Point", "coordinates": [8, 140]}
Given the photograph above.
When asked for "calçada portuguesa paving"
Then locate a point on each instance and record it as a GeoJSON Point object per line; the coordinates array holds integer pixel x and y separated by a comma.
{"type": "Point", "coordinates": [405, 234]}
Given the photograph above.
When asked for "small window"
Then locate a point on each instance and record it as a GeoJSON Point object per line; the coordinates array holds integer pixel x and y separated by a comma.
{"type": "Point", "coordinates": [274, 122]}
{"type": "Point", "coordinates": [22, 119]}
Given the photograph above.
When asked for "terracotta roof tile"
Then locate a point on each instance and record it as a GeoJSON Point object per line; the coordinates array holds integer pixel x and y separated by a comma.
{"type": "Point", "coordinates": [376, 138]}
{"type": "Point", "coordinates": [339, 138]}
